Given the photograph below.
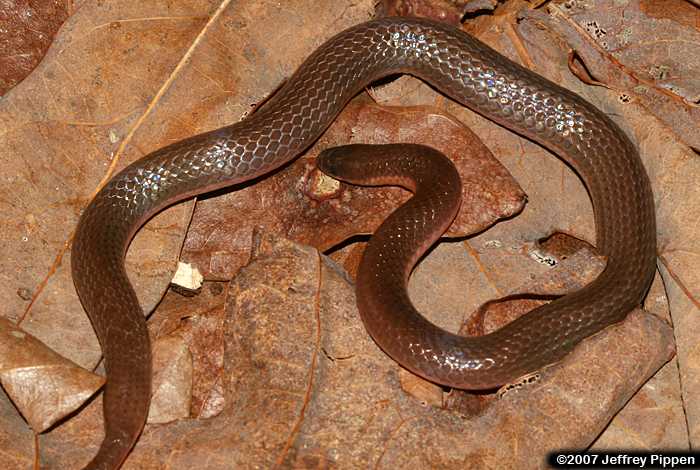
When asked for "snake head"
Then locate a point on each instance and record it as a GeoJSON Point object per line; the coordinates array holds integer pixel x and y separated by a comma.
{"type": "Point", "coordinates": [368, 165]}
{"type": "Point", "coordinates": [379, 165]}
{"type": "Point", "coordinates": [347, 162]}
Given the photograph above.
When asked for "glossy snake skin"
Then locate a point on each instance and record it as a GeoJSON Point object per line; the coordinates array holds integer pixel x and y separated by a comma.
{"type": "Point", "coordinates": [460, 67]}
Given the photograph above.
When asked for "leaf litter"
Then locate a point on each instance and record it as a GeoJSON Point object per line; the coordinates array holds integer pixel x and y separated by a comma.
{"type": "Point", "coordinates": [335, 397]}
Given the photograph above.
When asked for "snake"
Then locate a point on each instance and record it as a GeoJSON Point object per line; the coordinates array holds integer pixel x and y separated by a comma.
{"type": "Point", "coordinates": [465, 70]}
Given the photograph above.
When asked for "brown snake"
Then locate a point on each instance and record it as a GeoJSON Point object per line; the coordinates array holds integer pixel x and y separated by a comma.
{"type": "Point", "coordinates": [464, 69]}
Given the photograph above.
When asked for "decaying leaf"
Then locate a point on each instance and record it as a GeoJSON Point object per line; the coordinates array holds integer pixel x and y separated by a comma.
{"type": "Point", "coordinates": [16, 438]}
{"type": "Point", "coordinates": [26, 31]}
{"type": "Point", "coordinates": [645, 59]}
{"type": "Point", "coordinates": [44, 386]}
{"type": "Point", "coordinates": [449, 11]}
{"type": "Point", "coordinates": [120, 80]}
{"type": "Point", "coordinates": [198, 321]}
{"type": "Point", "coordinates": [284, 382]}
{"type": "Point", "coordinates": [172, 381]}
{"type": "Point", "coordinates": [572, 267]}
{"type": "Point", "coordinates": [645, 55]}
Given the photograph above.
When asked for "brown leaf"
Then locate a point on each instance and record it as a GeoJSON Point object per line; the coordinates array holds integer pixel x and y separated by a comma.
{"type": "Point", "coordinates": [573, 264]}
{"type": "Point", "coordinates": [645, 54]}
{"type": "Point", "coordinates": [650, 61]}
{"type": "Point", "coordinates": [123, 80]}
{"type": "Point", "coordinates": [44, 386]}
{"type": "Point", "coordinates": [427, 392]}
{"type": "Point", "coordinates": [26, 31]}
{"type": "Point", "coordinates": [449, 11]}
{"type": "Point", "coordinates": [16, 438]}
{"type": "Point", "coordinates": [172, 381]}
{"type": "Point", "coordinates": [198, 321]}
{"type": "Point", "coordinates": [654, 418]}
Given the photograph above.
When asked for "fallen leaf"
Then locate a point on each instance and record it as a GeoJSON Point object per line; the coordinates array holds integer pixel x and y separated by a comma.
{"type": "Point", "coordinates": [172, 381]}
{"type": "Point", "coordinates": [117, 84]}
{"type": "Point", "coordinates": [645, 57]}
{"type": "Point", "coordinates": [26, 31]}
{"type": "Point", "coordinates": [44, 386]}
{"type": "Point", "coordinates": [572, 264]}
{"type": "Point", "coordinates": [449, 11]}
{"type": "Point", "coordinates": [126, 79]}
{"type": "Point", "coordinates": [198, 321]}
{"type": "Point", "coordinates": [120, 80]}
{"type": "Point", "coordinates": [651, 62]}
{"type": "Point", "coordinates": [16, 438]}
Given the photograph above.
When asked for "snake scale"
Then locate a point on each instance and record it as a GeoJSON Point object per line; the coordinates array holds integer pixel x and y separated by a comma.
{"type": "Point", "coordinates": [462, 68]}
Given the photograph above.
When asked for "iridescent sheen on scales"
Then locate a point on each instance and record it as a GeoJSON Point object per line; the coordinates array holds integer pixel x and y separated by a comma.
{"type": "Point", "coordinates": [464, 69]}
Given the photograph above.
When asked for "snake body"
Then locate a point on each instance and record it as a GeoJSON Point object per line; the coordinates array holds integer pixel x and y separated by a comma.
{"type": "Point", "coordinates": [464, 69]}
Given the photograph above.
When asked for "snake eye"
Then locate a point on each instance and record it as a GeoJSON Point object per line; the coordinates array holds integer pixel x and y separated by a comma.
{"type": "Point", "coordinates": [328, 161]}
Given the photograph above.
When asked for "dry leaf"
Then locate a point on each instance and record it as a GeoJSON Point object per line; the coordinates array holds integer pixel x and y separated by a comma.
{"type": "Point", "coordinates": [123, 80]}
{"type": "Point", "coordinates": [118, 83]}
{"type": "Point", "coordinates": [648, 60]}
{"type": "Point", "coordinates": [198, 321]}
{"type": "Point", "coordinates": [172, 381]}
{"type": "Point", "coordinates": [26, 31]}
{"type": "Point", "coordinates": [449, 11]}
{"type": "Point", "coordinates": [16, 438]}
{"type": "Point", "coordinates": [572, 265]}
{"type": "Point", "coordinates": [44, 386]}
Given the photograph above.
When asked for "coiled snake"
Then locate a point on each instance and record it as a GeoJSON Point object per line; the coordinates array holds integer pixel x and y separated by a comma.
{"type": "Point", "coordinates": [462, 68]}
